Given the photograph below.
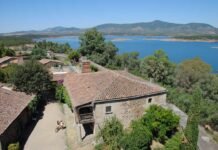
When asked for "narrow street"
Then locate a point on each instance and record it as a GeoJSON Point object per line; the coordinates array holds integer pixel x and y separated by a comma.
{"type": "Point", "coordinates": [43, 136]}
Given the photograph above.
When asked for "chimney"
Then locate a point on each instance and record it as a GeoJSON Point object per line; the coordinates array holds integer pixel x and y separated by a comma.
{"type": "Point", "coordinates": [85, 64]}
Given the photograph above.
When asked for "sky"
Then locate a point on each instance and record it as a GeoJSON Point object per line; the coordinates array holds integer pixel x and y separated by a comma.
{"type": "Point", "coordinates": [22, 15]}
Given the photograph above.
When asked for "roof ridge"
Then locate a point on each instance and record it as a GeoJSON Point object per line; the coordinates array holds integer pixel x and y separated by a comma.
{"type": "Point", "coordinates": [144, 82]}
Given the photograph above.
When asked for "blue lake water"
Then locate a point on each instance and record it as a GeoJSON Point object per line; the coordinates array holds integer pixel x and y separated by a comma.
{"type": "Point", "coordinates": [176, 50]}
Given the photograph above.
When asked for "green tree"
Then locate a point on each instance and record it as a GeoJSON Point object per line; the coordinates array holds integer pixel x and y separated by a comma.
{"type": "Point", "coordinates": [191, 130]}
{"type": "Point", "coordinates": [111, 133]}
{"type": "Point", "coordinates": [161, 122]}
{"type": "Point", "coordinates": [93, 45]}
{"type": "Point", "coordinates": [158, 67]}
{"type": "Point", "coordinates": [128, 61]}
{"type": "Point", "coordinates": [38, 53]}
{"type": "Point", "coordinates": [32, 77]}
{"type": "Point", "coordinates": [74, 56]}
{"type": "Point", "coordinates": [191, 72]}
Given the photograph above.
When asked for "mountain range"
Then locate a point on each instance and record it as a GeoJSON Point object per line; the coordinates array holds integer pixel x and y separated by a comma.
{"type": "Point", "coordinates": [154, 28]}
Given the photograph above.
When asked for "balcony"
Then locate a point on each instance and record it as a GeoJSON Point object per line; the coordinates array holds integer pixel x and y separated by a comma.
{"type": "Point", "coordinates": [86, 118]}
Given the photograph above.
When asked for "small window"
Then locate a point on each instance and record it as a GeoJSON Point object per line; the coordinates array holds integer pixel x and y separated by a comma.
{"type": "Point", "coordinates": [149, 100]}
{"type": "Point", "coordinates": [108, 109]}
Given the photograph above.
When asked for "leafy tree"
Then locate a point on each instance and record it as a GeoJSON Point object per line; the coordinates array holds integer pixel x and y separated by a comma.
{"type": "Point", "coordinates": [74, 55]}
{"type": "Point", "coordinates": [209, 87]}
{"type": "Point", "coordinates": [138, 139]}
{"type": "Point", "coordinates": [93, 45]}
{"type": "Point", "coordinates": [190, 72]}
{"type": "Point", "coordinates": [32, 77]}
{"type": "Point", "coordinates": [111, 133]}
{"type": "Point", "coordinates": [158, 67]}
{"type": "Point", "coordinates": [161, 122]}
{"type": "Point", "coordinates": [9, 72]}
{"type": "Point", "coordinates": [191, 130]}
{"type": "Point", "coordinates": [128, 61]}
{"type": "Point", "coordinates": [6, 51]}
{"type": "Point", "coordinates": [38, 53]}
{"type": "Point", "coordinates": [9, 52]}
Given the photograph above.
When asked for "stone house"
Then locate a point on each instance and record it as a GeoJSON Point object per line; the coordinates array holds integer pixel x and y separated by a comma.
{"type": "Point", "coordinates": [99, 95]}
{"type": "Point", "coordinates": [5, 61]}
{"type": "Point", "coordinates": [14, 115]}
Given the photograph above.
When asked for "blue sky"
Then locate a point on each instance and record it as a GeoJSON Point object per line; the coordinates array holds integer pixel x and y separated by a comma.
{"type": "Point", "coordinates": [16, 15]}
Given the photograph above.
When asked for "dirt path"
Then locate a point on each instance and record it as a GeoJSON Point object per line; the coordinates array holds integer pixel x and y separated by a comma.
{"type": "Point", "coordinates": [43, 136]}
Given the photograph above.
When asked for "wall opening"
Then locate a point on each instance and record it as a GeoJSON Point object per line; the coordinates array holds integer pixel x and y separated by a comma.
{"type": "Point", "coordinates": [89, 129]}
{"type": "Point", "coordinates": [149, 100]}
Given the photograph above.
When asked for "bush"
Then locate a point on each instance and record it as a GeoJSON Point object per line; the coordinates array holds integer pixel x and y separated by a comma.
{"type": "Point", "coordinates": [161, 122]}
{"type": "Point", "coordinates": [174, 143]}
{"type": "Point", "coordinates": [111, 133]}
{"type": "Point", "coordinates": [14, 146]}
{"type": "Point", "coordinates": [62, 96]}
{"type": "Point", "coordinates": [139, 138]}
{"type": "Point", "coordinates": [94, 68]}
{"type": "Point", "coordinates": [74, 55]}
{"type": "Point", "coordinates": [34, 104]}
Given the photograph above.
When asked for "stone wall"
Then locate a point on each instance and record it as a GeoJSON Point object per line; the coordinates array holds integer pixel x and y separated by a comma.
{"type": "Point", "coordinates": [14, 132]}
{"type": "Point", "coordinates": [126, 110]}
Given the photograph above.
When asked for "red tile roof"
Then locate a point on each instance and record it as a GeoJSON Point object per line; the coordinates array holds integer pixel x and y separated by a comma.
{"type": "Point", "coordinates": [12, 103]}
{"type": "Point", "coordinates": [107, 85]}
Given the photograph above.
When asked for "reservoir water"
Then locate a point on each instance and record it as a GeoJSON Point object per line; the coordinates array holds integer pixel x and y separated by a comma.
{"type": "Point", "coordinates": [177, 51]}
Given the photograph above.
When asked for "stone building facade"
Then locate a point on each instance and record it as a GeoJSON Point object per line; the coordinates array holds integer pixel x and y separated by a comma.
{"type": "Point", "coordinates": [98, 95]}
{"type": "Point", "coordinates": [14, 115]}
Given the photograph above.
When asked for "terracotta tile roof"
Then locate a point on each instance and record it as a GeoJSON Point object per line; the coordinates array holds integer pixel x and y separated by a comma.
{"type": "Point", "coordinates": [45, 61]}
{"type": "Point", "coordinates": [107, 85]}
{"type": "Point", "coordinates": [12, 103]}
{"type": "Point", "coordinates": [6, 58]}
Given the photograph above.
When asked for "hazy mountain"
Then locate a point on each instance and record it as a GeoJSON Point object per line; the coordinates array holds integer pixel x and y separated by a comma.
{"type": "Point", "coordinates": [145, 28]}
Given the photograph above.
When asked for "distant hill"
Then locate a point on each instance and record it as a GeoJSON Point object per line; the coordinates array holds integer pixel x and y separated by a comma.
{"type": "Point", "coordinates": [145, 28]}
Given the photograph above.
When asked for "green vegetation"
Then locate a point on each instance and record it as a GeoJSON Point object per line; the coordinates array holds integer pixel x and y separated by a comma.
{"type": "Point", "coordinates": [175, 142]}
{"type": "Point", "coordinates": [54, 47]}
{"type": "Point", "coordinates": [6, 74]}
{"type": "Point", "coordinates": [6, 51]}
{"type": "Point", "coordinates": [156, 124]}
{"type": "Point", "coordinates": [111, 133]}
{"type": "Point", "coordinates": [31, 77]}
{"type": "Point", "coordinates": [74, 56]}
{"type": "Point", "coordinates": [191, 130]}
{"type": "Point", "coordinates": [93, 45]}
{"type": "Point", "coordinates": [158, 67]}
{"type": "Point", "coordinates": [94, 68]}
{"type": "Point", "coordinates": [138, 138]}
{"type": "Point", "coordinates": [14, 146]}
{"type": "Point", "coordinates": [38, 53]}
{"type": "Point", "coordinates": [161, 122]}
{"type": "Point", "coordinates": [62, 96]}
{"type": "Point", "coordinates": [15, 40]}
{"type": "Point", "coordinates": [180, 80]}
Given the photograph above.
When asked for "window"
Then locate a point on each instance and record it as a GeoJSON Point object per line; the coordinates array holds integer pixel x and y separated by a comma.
{"type": "Point", "coordinates": [108, 109]}
{"type": "Point", "coordinates": [149, 100]}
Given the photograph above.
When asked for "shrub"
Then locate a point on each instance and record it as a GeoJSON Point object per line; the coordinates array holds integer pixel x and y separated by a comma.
{"type": "Point", "coordinates": [111, 133]}
{"type": "Point", "coordinates": [74, 55]}
{"type": "Point", "coordinates": [94, 68]}
{"type": "Point", "coordinates": [14, 146]}
{"type": "Point", "coordinates": [174, 143]}
{"type": "Point", "coordinates": [62, 96]}
{"type": "Point", "coordinates": [139, 138]}
{"type": "Point", "coordinates": [161, 122]}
